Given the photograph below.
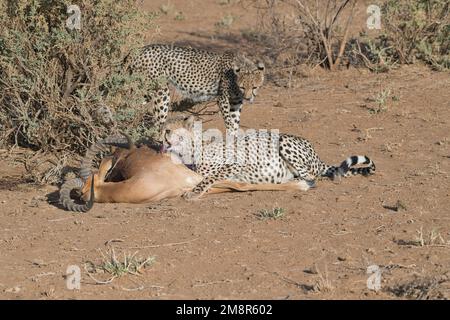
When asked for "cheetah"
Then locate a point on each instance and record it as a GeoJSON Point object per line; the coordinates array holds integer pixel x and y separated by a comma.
{"type": "Point", "coordinates": [200, 76]}
{"type": "Point", "coordinates": [257, 158]}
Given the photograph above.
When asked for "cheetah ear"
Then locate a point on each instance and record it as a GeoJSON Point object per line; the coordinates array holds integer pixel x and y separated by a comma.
{"type": "Point", "coordinates": [260, 65]}
{"type": "Point", "coordinates": [189, 122]}
{"type": "Point", "coordinates": [236, 67]}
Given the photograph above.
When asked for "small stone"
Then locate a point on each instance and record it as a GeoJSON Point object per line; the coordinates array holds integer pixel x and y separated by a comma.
{"type": "Point", "coordinates": [311, 270]}
{"type": "Point", "coordinates": [38, 262]}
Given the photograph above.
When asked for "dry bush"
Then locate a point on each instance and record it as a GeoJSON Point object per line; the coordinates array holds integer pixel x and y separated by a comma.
{"type": "Point", "coordinates": [411, 30]}
{"type": "Point", "coordinates": [422, 288]}
{"type": "Point", "coordinates": [61, 89]}
{"type": "Point", "coordinates": [292, 33]}
{"type": "Point", "coordinates": [419, 29]}
{"type": "Point", "coordinates": [326, 31]}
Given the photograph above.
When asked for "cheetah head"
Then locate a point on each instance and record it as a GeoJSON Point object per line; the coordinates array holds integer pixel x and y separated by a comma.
{"type": "Point", "coordinates": [249, 78]}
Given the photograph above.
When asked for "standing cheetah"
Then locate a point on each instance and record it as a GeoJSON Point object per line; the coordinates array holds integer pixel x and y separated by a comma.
{"type": "Point", "coordinates": [257, 158]}
{"type": "Point", "coordinates": [200, 76]}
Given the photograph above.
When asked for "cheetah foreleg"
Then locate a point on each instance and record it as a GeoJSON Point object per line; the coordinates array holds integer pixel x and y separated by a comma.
{"type": "Point", "coordinates": [234, 118]}
{"type": "Point", "coordinates": [223, 174]}
{"type": "Point", "coordinates": [161, 102]}
{"type": "Point", "coordinates": [231, 114]}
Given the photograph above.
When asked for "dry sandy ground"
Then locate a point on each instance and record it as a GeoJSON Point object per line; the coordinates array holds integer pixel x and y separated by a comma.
{"type": "Point", "coordinates": [397, 219]}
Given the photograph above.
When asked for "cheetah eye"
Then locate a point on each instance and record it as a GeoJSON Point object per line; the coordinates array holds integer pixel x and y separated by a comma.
{"type": "Point", "coordinates": [254, 88]}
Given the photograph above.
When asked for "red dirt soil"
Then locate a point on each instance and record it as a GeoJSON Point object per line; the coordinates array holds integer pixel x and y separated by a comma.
{"type": "Point", "coordinates": [217, 248]}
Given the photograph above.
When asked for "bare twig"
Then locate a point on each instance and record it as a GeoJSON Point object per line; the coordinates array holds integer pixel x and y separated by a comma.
{"type": "Point", "coordinates": [165, 244]}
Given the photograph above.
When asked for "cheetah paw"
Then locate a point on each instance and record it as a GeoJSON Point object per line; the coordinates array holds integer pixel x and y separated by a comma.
{"type": "Point", "coordinates": [191, 196]}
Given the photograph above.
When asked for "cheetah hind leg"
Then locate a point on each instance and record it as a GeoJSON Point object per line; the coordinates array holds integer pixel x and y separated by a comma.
{"type": "Point", "coordinates": [304, 179]}
{"type": "Point", "coordinates": [304, 185]}
{"type": "Point", "coordinates": [302, 175]}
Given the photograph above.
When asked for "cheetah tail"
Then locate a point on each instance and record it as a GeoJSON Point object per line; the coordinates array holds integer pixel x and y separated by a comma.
{"type": "Point", "coordinates": [345, 169]}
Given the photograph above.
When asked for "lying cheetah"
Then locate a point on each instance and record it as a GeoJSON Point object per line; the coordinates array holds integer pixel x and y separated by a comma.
{"type": "Point", "coordinates": [200, 76]}
{"type": "Point", "coordinates": [263, 157]}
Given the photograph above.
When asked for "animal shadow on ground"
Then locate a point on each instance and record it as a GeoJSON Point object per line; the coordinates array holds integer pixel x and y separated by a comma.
{"type": "Point", "coordinates": [13, 183]}
{"type": "Point", "coordinates": [53, 197]}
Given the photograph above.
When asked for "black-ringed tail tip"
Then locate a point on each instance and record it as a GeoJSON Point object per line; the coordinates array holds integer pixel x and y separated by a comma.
{"type": "Point", "coordinates": [346, 167]}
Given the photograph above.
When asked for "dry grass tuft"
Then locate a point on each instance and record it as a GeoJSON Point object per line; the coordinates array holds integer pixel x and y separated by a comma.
{"type": "Point", "coordinates": [115, 268]}
{"type": "Point", "coordinates": [420, 288]}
